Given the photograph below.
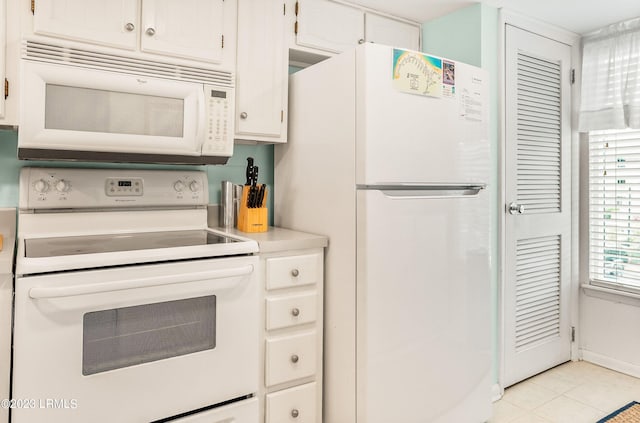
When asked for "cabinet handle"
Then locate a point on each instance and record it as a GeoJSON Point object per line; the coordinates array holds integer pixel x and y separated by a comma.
{"type": "Point", "coordinates": [244, 115]}
{"type": "Point", "coordinates": [295, 273]}
{"type": "Point", "coordinates": [361, 41]}
{"type": "Point", "coordinates": [295, 413]}
{"type": "Point", "coordinates": [294, 358]}
{"type": "Point", "coordinates": [129, 27]}
{"type": "Point", "coordinates": [295, 312]}
{"type": "Point", "coordinates": [150, 32]}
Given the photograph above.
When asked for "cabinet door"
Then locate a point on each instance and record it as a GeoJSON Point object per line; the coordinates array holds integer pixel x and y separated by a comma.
{"type": "Point", "coordinates": [111, 23]}
{"type": "Point", "coordinates": [3, 52]}
{"type": "Point", "coordinates": [192, 29]}
{"type": "Point", "coordinates": [329, 26]}
{"type": "Point", "coordinates": [383, 30]}
{"type": "Point", "coordinates": [261, 89]}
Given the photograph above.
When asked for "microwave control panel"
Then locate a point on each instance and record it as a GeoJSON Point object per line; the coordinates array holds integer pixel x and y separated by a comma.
{"type": "Point", "coordinates": [219, 123]}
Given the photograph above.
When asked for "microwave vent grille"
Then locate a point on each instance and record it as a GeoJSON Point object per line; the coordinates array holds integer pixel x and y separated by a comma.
{"type": "Point", "coordinates": [47, 52]}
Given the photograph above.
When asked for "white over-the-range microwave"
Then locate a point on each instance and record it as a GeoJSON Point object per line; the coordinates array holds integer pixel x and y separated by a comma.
{"type": "Point", "coordinates": [85, 105]}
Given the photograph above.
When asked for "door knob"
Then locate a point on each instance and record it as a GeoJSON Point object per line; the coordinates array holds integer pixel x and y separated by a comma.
{"type": "Point", "coordinates": [150, 32]}
{"type": "Point", "coordinates": [516, 208]}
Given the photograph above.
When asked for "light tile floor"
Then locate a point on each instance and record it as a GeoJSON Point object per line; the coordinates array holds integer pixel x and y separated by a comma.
{"type": "Point", "coordinates": [574, 392]}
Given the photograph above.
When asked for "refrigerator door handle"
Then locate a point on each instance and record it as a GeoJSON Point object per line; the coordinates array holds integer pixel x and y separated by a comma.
{"type": "Point", "coordinates": [427, 191]}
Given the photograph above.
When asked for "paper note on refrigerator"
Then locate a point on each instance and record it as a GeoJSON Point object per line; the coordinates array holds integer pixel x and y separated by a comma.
{"type": "Point", "coordinates": [471, 105]}
{"type": "Point", "coordinates": [417, 73]}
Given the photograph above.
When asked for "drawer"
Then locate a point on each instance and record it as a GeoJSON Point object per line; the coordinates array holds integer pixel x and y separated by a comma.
{"type": "Point", "coordinates": [290, 357]}
{"type": "Point", "coordinates": [291, 310]}
{"type": "Point", "coordinates": [293, 405]}
{"type": "Point", "coordinates": [238, 412]}
{"type": "Point", "coordinates": [285, 272]}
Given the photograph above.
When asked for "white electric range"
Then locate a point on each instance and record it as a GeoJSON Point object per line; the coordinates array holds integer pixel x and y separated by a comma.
{"type": "Point", "coordinates": [127, 308]}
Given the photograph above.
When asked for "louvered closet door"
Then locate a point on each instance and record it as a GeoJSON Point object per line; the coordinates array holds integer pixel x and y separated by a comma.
{"type": "Point", "coordinates": [538, 210]}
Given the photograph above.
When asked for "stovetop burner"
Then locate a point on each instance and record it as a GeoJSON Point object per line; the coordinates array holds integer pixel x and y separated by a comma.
{"type": "Point", "coordinates": [91, 244]}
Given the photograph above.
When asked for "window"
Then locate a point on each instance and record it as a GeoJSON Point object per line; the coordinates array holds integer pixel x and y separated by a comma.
{"type": "Point", "coordinates": [610, 103]}
{"type": "Point", "coordinates": [614, 208]}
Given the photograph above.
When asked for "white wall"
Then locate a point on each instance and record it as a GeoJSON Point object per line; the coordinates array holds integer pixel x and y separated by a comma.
{"type": "Point", "coordinates": [609, 330]}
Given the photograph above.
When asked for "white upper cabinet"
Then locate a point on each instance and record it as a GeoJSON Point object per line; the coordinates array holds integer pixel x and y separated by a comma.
{"type": "Point", "coordinates": [329, 26]}
{"type": "Point", "coordinates": [262, 71]}
{"type": "Point", "coordinates": [3, 58]}
{"type": "Point", "coordinates": [9, 53]}
{"type": "Point", "coordinates": [193, 29]}
{"type": "Point", "coordinates": [197, 30]}
{"type": "Point", "coordinates": [110, 23]}
{"type": "Point", "coordinates": [383, 30]}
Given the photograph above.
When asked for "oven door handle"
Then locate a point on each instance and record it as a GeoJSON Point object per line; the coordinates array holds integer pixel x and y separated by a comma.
{"type": "Point", "coordinates": [40, 292]}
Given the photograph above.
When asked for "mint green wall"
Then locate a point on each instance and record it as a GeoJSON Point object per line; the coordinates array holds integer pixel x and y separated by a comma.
{"type": "Point", "coordinates": [455, 36]}
{"type": "Point", "coordinates": [470, 35]}
{"type": "Point", "coordinates": [233, 171]}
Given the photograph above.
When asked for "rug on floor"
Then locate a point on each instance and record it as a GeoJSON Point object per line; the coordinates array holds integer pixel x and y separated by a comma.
{"type": "Point", "coordinates": [630, 413]}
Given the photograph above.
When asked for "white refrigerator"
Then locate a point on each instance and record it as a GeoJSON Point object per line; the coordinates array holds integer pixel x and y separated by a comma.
{"type": "Point", "coordinates": [388, 155]}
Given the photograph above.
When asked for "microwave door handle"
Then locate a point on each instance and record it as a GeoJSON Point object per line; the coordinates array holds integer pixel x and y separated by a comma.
{"type": "Point", "coordinates": [40, 292]}
{"type": "Point", "coordinates": [201, 119]}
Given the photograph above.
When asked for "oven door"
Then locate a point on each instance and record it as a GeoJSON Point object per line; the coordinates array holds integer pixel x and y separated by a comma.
{"type": "Point", "coordinates": [135, 343]}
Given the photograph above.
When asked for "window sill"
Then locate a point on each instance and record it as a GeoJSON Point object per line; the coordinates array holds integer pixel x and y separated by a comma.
{"type": "Point", "coordinates": [613, 295]}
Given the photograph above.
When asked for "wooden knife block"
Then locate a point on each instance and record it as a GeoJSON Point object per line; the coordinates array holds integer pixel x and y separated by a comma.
{"type": "Point", "coordinates": [252, 219]}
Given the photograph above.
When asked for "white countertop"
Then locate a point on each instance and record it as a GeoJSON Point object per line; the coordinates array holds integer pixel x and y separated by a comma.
{"type": "Point", "coordinates": [8, 231]}
{"type": "Point", "coordinates": [280, 239]}
{"type": "Point", "coordinates": [275, 239]}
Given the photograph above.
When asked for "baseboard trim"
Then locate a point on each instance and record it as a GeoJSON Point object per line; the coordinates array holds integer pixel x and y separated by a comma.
{"type": "Point", "coordinates": [496, 392]}
{"type": "Point", "coordinates": [611, 363]}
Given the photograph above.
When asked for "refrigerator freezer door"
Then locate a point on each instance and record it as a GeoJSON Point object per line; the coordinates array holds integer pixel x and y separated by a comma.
{"type": "Point", "coordinates": [405, 137]}
{"type": "Point", "coordinates": [423, 307]}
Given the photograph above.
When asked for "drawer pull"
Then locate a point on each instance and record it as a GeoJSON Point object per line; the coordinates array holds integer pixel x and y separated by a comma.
{"type": "Point", "coordinates": [295, 273]}
{"type": "Point", "coordinates": [294, 358]}
{"type": "Point", "coordinates": [295, 312]}
{"type": "Point", "coordinates": [295, 413]}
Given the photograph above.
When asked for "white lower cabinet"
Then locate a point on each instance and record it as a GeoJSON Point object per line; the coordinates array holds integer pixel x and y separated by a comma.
{"type": "Point", "coordinates": [290, 357]}
{"type": "Point", "coordinates": [291, 391]}
{"type": "Point", "coordinates": [293, 405]}
{"type": "Point", "coordinates": [291, 310]}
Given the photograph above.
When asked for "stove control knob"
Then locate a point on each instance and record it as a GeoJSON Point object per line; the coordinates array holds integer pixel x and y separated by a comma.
{"type": "Point", "coordinates": [41, 186]}
{"type": "Point", "coordinates": [62, 185]}
{"type": "Point", "coordinates": [178, 186]}
{"type": "Point", "coordinates": [194, 186]}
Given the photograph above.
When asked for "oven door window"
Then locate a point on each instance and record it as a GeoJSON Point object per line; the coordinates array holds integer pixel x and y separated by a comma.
{"type": "Point", "coordinates": [124, 337]}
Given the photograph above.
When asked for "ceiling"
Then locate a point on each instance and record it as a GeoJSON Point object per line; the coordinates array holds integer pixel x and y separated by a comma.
{"type": "Point", "coordinates": [578, 16]}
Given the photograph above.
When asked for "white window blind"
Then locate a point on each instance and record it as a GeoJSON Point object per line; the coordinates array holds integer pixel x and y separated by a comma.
{"type": "Point", "coordinates": [614, 209]}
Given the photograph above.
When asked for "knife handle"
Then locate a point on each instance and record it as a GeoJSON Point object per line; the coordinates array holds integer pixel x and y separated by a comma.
{"type": "Point", "coordinates": [249, 170]}
{"type": "Point", "coordinates": [261, 193]}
